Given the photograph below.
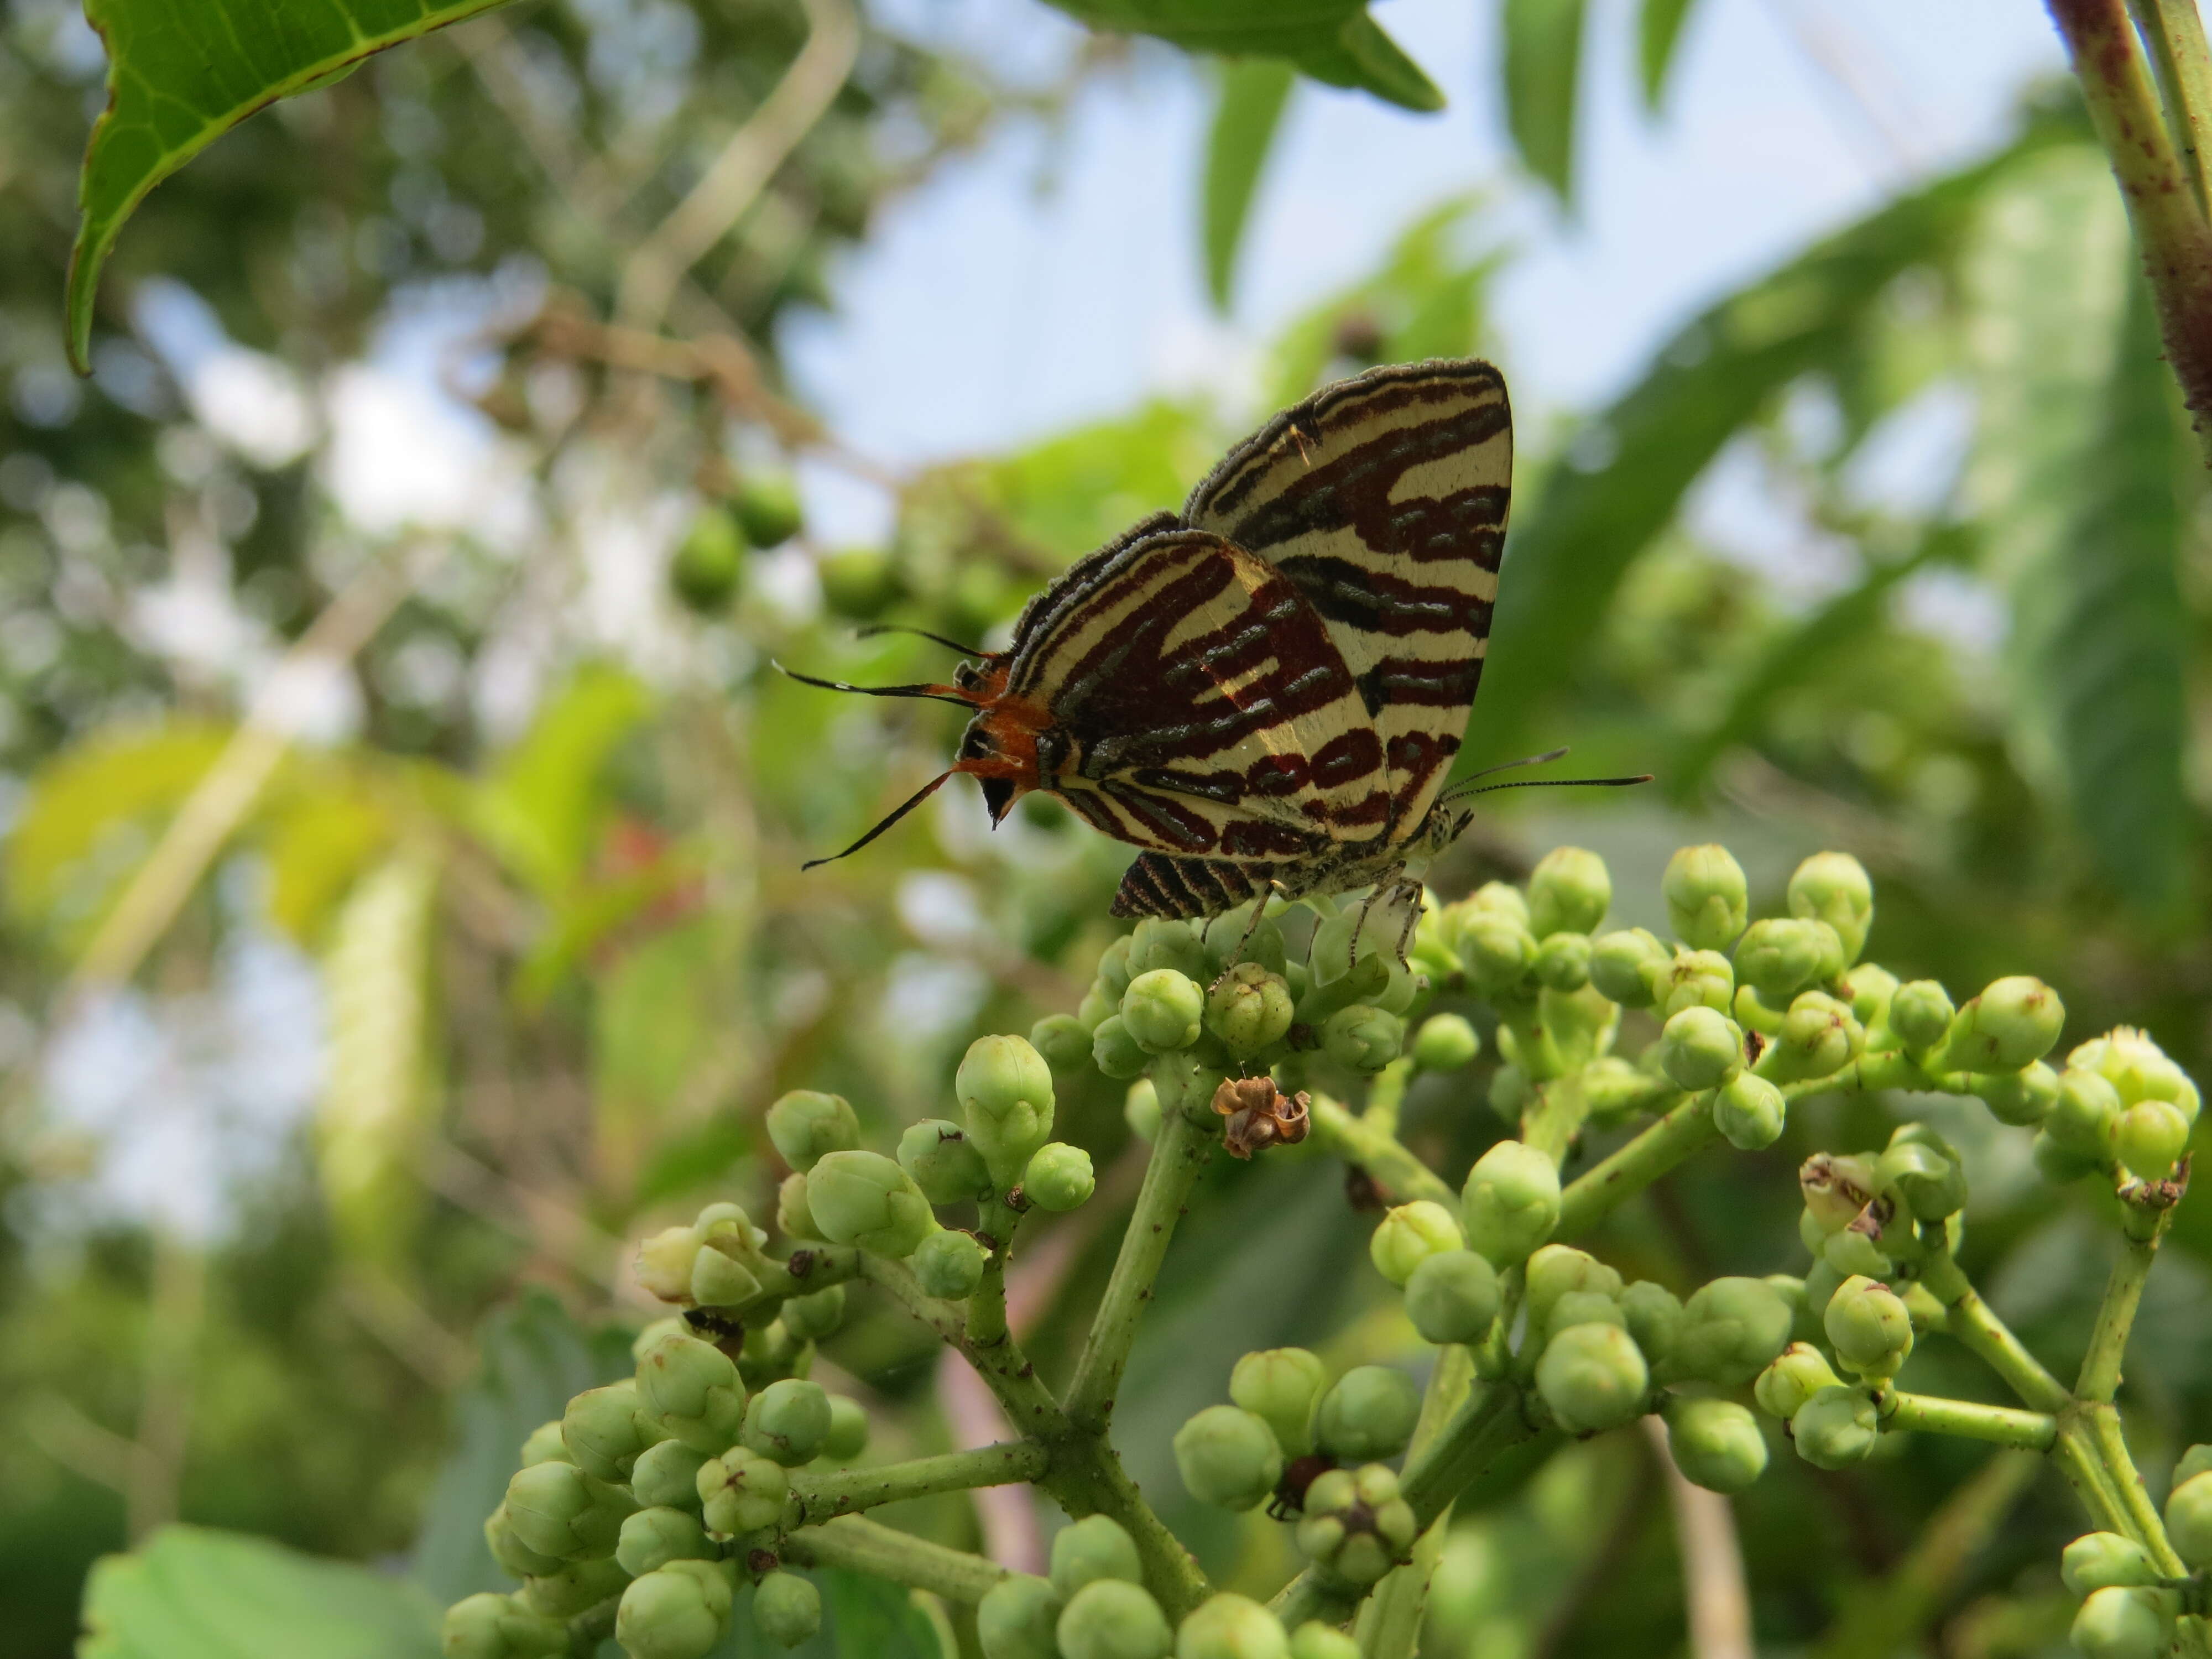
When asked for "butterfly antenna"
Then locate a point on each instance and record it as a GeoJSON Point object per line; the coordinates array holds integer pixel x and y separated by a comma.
{"type": "Point", "coordinates": [935, 693]}
{"type": "Point", "coordinates": [873, 628]}
{"type": "Point", "coordinates": [1563, 783]}
{"type": "Point", "coordinates": [1462, 786]}
{"type": "Point", "coordinates": [912, 801]}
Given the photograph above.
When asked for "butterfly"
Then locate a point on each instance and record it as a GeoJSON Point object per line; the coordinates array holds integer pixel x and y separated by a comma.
{"type": "Point", "coordinates": [1265, 692]}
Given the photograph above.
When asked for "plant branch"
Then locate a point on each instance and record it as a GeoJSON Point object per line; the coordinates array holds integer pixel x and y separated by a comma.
{"type": "Point", "coordinates": [2085, 1472]}
{"type": "Point", "coordinates": [2174, 31]}
{"type": "Point", "coordinates": [2111, 1448]}
{"type": "Point", "coordinates": [1683, 1131]}
{"type": "Point", "coordinates": [2116, 1316]}
{"type": "Point", "coordinates": [865, 1547]}
{"type": "Point", "coordinates": [2002, 1426]}
{"type": "Point", "coordinates": [841, 1492]}
{"type": "Point", "coordinates": [1973, 1321]}
{"type": "Point", "coordinates": [1368, 1147]}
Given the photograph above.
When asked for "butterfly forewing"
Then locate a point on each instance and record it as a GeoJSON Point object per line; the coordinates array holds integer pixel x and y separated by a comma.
{"type": "Point", "coordinates": [1383, 499]}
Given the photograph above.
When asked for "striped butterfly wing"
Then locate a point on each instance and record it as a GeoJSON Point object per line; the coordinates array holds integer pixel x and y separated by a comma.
{"type": "Point", "coordinates": [1193, 704]}
{"type": "Point", "coordinates": [1383, 499]}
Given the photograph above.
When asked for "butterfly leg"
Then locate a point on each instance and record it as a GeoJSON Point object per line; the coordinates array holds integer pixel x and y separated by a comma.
{"type": "Point", "coordinates": [1259, 914]}
{"type": "Point", "coordinates": [1413, 892]}
{"type": "Point", "coordinates": [1393, 883]}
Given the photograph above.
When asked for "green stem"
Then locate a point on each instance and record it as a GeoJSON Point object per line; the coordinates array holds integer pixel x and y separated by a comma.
{"type": "Point", "coordinates": [1386, 1094]}
{"type": "Point", "coordinates": [1361, 1144]}
{"type": "Point", "coordinates": [2119, 1467]}
{"type": "Point", "coordinates": [1389, 1625]}
{"type": "Point", "coordinates": [2000, 1424]}
{"type": "Point", "coordinates": [1683, 1131]}
{"type": "Point", "coordinates": [2085, 1472]}
{"type": "Point", "coordinates": [809, 1268]}
{"type": "Point", "coordinates": [986, 1307]}
{"type": "Point", "coordinates": [1087, 1479]}
{"type": "Point", "coordinates": [1011, 1378]}
{"type": "Point", "coordinates": [2116, 1317]}
{"type": "Point", "coordinates": [2174, 30]}
{"type": "Point", "coordinates": [840, 1492]}
{"type": "Point", "coordinates": [1177, 1154]}
{"type": "Point", "coordinates": [1974, 1324]}
{"type": "Point", "coordinates": [2170, 226]}
{"type": "Point", "coordinates": [864, 1546]}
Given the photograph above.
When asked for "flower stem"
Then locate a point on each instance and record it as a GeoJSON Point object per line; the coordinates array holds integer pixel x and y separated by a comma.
{"type": "Point", "coordinates": [840, 1492]}
{"type": "Point", "coordinates": [2174, 30]}
{"type": "Point", "coordinates": [2085, 1472]}
{"type": "Point", "coordinates": [865, 1547]}
{"type": "Point", "coordinates": [1973, 1323]}
{"type": "Point", "coordinates": [2116, 1317]}
{"type": "Point", "coordinates": [2002, 1426]}
{"type": "Point", "coordinates": [2119, 1467]}
{"type": "Point", "coordinates": [1368, 1147]}
{"type": "Point", "coordinates": [1684, 1130]}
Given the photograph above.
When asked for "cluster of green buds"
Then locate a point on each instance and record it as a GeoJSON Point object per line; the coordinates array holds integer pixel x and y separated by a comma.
{"type": "Point", "coordinates": [1094, 1605]}
{"type": "Point", "coordinates": [2129, 1607]}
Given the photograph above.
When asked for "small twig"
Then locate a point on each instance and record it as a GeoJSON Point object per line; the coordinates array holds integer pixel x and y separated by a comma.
{"type": "Point", "coordinates": [396, 1319]}
{"type": "Point", "coordinates": [165, 1408]}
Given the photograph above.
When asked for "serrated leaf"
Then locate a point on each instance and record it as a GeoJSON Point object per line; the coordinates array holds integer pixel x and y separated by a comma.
{"type": "Point", "coordinates": [1658, 34]}
{"type": "Point", "coordinates": [534, 1357]}
{"type": "Point", "coordinates": [194, 1592]}
{"type": "Point", "coordinates": [180, 76]}
{"type": "Point", "coordinates": [1248, 110]}
{"type": "Point", "coordinates": [1542, 60]}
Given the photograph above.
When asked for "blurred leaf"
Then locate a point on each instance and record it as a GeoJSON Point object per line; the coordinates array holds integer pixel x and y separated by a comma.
{"type": "Point", "coordinates": [178, 79]}
{"type": "Point", "coordinates": [1254, 92]}
{"type": "Point", "coordinates": [657, 1015]}
{"type": "Point", "coordinates": [376, 991]}
{"type": "Point", "coordinates": [1543, 58]}
{"type": "Point", "coordinates": [587, 915]}
{"type": "Point", "coordinates": [535, 1356]}
{"type": "Point", "coordinates": [1626, 474]}
{"type": "Point", "coordinates": [193, 1593]}
{"type": "Point", "coordinates": [1658, 35]}
{"type": "Point", "coordinates": [317, 842]}
{"type": "Point", "coordinates": [92, 815]}
{"type": "Point", "coordinates": [1332, 40]}
{"type": "Point", "coordinates": [542, 806]}
{"type": "Point", "coordinates": [1078, 489]}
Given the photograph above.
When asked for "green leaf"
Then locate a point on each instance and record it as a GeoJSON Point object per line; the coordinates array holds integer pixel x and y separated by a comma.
{"type": "Point", "coordinates": [193, 1593]}
{"type": "Point", "coordinates": [1543, 63]}
{"type": "Point", "coordinates": [535, 1358]}
{"type": "Point", "coordinates": [543, 806]}
{"type": "Point", "coordinates": [1332, 40]}
{"type": "Point", "coordinates": [1621, 483]}
{"type": "Point", "coordinates": [1252, 93]}
{"type": "Point", "coordinates": [180, 76]}
{"type": "Point", "coordinates": [1658, 34]}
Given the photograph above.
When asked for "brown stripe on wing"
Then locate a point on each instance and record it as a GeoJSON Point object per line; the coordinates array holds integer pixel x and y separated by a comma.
{"type": "Point", "coordinates": [1182, 888]}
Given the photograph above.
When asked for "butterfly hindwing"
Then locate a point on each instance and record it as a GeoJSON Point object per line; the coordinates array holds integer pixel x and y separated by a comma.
{"type": "Point", "coordinates": [1383, 499]}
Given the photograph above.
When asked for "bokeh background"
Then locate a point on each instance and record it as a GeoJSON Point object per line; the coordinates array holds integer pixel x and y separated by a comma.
{"type": "Point", "coordinates": [400, 818]}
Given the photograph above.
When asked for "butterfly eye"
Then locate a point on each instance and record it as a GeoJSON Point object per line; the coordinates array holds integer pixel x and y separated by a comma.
{"type": "Point", "coordinates": [977, 744]}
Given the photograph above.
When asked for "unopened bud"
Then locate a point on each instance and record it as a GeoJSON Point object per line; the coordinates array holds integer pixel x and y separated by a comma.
{"type": "Point", "coordinates": [1281, 1386]}
{"type": "Point", "coordinates": [2125, 1622]}
{"type": "Point", "coordinates": [786, 1609]}
{"type": "Point", "coordinates": [2151, 1134]}
{"type": "Point", "coordinates": [741, 1492]}
{"type": "Point", "coordinates": [1093, 1549]}
{"type": "Point", "coordinates": [1250, 1009]}
{"type": "Point", "coordinates": [1779, 956]}
{"type": "Point", "coordinates": [1228, 1457]}
{"type": "Point", "coordinates": [1452, 1296]}
{"type": "Point", "coordinates": [805, 1124]}
{"type": "Point", "coordinates": [1163, 1009]}
{"type": "Point", "coordinates": [1716, 1443]}
{"type": "Point", "coordinates": [1797, 1373]}
{"type": "Point", "coordinates": [1369, 1413]}
{"type": "Point", "coordinates": [1623, 966]}
{"type": "Point", "coordinates": [1833, 888]}
{"type": "Point", "coordinates": [2098, 1560]}
{"type": "Point", "coordinates": [652, 1538]}
{"type": "Point", "coordinates": [1732, 1328]}
{"type": "Point", "coordinates": [689, 1389]}
{"type": "Point", "coordinates": [1592, 1377]}
{"type": "Point", "coordinates": [1749, 1112]}
{"type": "Point", "coordinates": [1835, 1429]}
{"type": "Point", "coordinates": [2011, 1024]}
{"type": "Point", "coordinates": [1110, 1618]}
{"type": "Point", "coordinates": [1445, 1042]}
{"type": "Point", "coordinates": [1059, 1177]}
{"type": "Point", "coordinates": [1563, 962]}
{"type": "Point", "coordinates": [2022, 1098]}
{"type": "Point", "coordinates": [1869, 1326]}
{"type": "Point", "coordinates": [1004, 1090]}
{"type": "Point", "coordinates": [1409, 1235]}
{"type": "Point", "coordinates": [492, 1626]}
{"type": "Point", "coordinates": [1064, 1041]}
{"type": "Point", "coordinates": [1015, 1619]}
{"type": "Point", "coordinates": [1708, 900]}
{"type": "Point", "coordinates": [1700, 1049]}
{"type": "Point", "coordinates": [944, 1161]}
{"type": "Point", "coordinates": [680, 1611]}
{"type": "Point", "coordinates": [1230, 1627]}
{"type": "Point", "coordinates": [788, 1421]}
{"type": "Point", "coordinates": [863, 1198]}
{"type": "Point", "coordinates": [1510, 1203]}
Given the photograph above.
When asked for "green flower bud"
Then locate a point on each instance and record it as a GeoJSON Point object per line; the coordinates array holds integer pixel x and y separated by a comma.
{"type": "Point", "coordinates": [1015, 1619]}
{"type": "Point", "coordinates": [2011, 1024]}
{"type": "Point", "coordinates": [1568, 892]}
{"type": "Point", "coordinates": [1114, 970]}
{"type": "Point", "coordinates": [666, 1476]}
{"type": "Point", "coordinates": [2022, 1098]}
{"type": "Point", "coordinates": [1356, 1524]}
{"type": "Point", "coordinates": [1499, 951]}
{"type": "Point", "coordinates": [741, 1492]}
{"type": "Point", "coordinates": [2137, 1067]}
{"type": "Point", "coordinates": [1836, 1187]}
{"type": "Point", "coordinates": [543, 1444]}
{"type": "Point", "coordinates": [1654, 1317]}
{"type": "Point", "coordinates": [1452, 1296]}
{"type": "Point", "coordinates": [1250, 1009]}
{"type": "Point", "coordinates": [1409, 1235]}
{"type": "Point", "coordinates": [1563, 962]}
{"type": "Point", "coordinates": [1593, 1377]}
{"type": "Point", "coordinates": [1708, 901]}
{"type": "Point", "coordinates": [1929, 1184]}
{"type": "Point", "coordinates": [1510, 1203]}
{"type": "Point", "coordinates": [1509, 1088]}
{"type": "Point", "coordinates": [2122, 1622]}
{"type": "Point", "coordinates": [2086, 1118]}
{"type": "Point", "coordinates": [794, 1218]}
{"type": "Point", "coordinates": [2150, 1136]}
{"type": "Point", "coordinates": [1921, 1013]}
{"type": "Point", "coordinates": [944, 1161]}
{"type": "Point", "coordinates": [718, 1280]}
{"type": "Point", "coordinates": [767, 509]}
{"type": "Point", "coordinates": [2194, 1461]}
{"type": "Point", "coordinates": [1281, 1386]}
{"type": "Point", "coordinates": [1700, 1049]}
{"type": "Point", "coordinates": [1059, 1177]}
{"type": "Point", "coordinates": [1163, 1009]}
{"type": "Point", "coordinates": [949, 1264]}
{"type": "Point", "coordinates": [1833, 888]}
{"type": "Point", "coordinates": [1834, 1429]}
{"type": "Point", "coordinates": [664, 1262]}
{"type": "Point", "coordinates": [1852, 1252]}
{"type": "Point", "coordinates": [1500, 898]}
{"type": "Point", "coordinates": [1111, 1619]}
{"type": "Point", "coordinates": [1445, 1042]}
{"type": "Point", "coordinates": [848, 1430]}
{"type": "Point", "coordinates": [709, 563]}
{"type": "Point", "coordinates": [865, 1199]}
{"type": "Point", "coordinates": [788, 1421]}
{"type": "Point", "coordinates": [1004, 1090]}
{"type": "Point", "coordinates": [680, 1611]}
{"type": "Point", "coordinates": [1779, 956]}
{"type": "Point", "coordinates": [1748, 1111]}
{"type": "Point", "coordinates": [810, 1318]}
{"type": "Point", "coordinates": [804, 1124]}
{"type": "Point", "coordinates": [2098, 1560]}
{"type": "Point", "coordinates": [1362, 1037]}
{"type": "Point", "coordinates": [1617, 1091]}
{"type": "Point", "coordinates": [1092, 1549]}
{"type": "Point", "coordinates": [1819, 1035]}
{"type": "Point", "coordinates": [2189, 1520]}
{"type": "Point", "coordinates": [1821, 1284]}
{"type": "Point", "coordinates": [1228, 1457]}
{"type": "Point", "coordinates": [493, 1627]}
{"type": "Point", "coordinates": [1230, 1627]}
{"type": "Point", "coordinates": [1799, 1371]}
{"type": "Point", "coordinates": [1693, 979]}
{"type": "Point", "coordinates": [604, 1431]}
{"type": "Point", "coordinates": [1731, 1329]}
{"type": "Point", "coordinates": [1063, 1040]}
{"type": "Point", "coordinates": [1585, 1307]}
{"type": "Point", "coordinates": [786, 1609]}
{"type": "Point", "coordinates": [1716, 1443]}
{"type": "Point", "coordinates": [1140, 1109]}
{"type": "Point", "coordinates": [1560, 1270]}
{"type": "Point", "coordinates": [1870, 1327]}
{"type": "Point", "coordinates": [1623, 966]}
{"type": "Point", "coordinates": [510, 1552]}
{"type": "Point", "coordinates": [1160, 944]}
{"type": "Point", "coordinates": [652, 1538]}
{"type": "Point", "coordinates": [1369, 1413]}
{"type": "Point", "coordinates": [558, 1510]}
{"type": "Point", "coordinates": [577, 1587]}
{"type": "Point", "coordinates": [1314, 1640]}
